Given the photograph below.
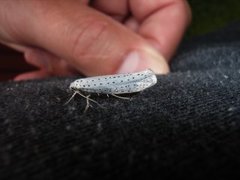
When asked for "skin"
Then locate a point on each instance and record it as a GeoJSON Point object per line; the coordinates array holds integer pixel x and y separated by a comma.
{"type": "Point", "coordinates": [102, 37]}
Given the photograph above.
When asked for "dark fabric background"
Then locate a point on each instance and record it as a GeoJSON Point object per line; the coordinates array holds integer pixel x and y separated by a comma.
{"type": "Point", "coordinates": [186, 126]}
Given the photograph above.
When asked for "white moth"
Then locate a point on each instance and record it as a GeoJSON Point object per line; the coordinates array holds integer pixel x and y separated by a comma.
{"type": "Point", "coordinates": [113, 84]}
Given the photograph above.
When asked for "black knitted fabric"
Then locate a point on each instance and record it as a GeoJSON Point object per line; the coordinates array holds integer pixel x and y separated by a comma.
{"type": "Point", "coordinates": [186, 126]}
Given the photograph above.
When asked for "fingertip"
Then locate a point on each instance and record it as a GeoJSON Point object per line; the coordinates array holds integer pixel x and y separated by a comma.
{"type": "Point", "coordinates": [37, 58]}
{"type": "Point", "coordinates": [31, 75]}
{"type": "Point", "coordinates": [156, 61]}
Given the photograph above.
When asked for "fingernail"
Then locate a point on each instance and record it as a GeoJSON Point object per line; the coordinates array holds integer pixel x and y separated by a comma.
{"type": "Point", "coordinates": [131, 63]}
{"type": "Point", "coordinates": [142, 59]}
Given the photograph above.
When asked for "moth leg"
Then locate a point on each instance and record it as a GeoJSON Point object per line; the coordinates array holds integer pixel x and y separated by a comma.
{"type": "Point", "coordinates": [120, 97]}
{"type": "Point", "coordinates": [108, 95]}
{"type": "Point", "coordinates": [88, 104]}
{"type": "Point", "coordinates": [74, 94]}
{"type": "Point", "coordinates": [89, 99]}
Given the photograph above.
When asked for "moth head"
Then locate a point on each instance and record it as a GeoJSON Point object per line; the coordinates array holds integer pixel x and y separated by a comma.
{"type": "Point", "coordinates": [75, 85]}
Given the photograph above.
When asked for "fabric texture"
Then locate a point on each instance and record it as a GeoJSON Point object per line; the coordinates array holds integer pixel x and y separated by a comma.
{"type": "Point", "coordinates": [186, 126]}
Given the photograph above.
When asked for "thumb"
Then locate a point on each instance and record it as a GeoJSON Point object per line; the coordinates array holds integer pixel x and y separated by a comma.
{"type": "Point", "coordinates": [92, 42]}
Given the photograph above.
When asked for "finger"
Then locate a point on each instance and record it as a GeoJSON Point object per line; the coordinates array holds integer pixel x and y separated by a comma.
{"type": "Point", "coordinates": [163, 23]}
{"type": "Point", "coordinates": [43, 60]}
{"type": "Point", "coordinates": [132, 24]}
{"type": "Point", "coordinates": [114, 8]}
{"type": "Point", "coordinates": [17, 47]}
{"type": "Point", "coordinates": [48, 62]}
{"type": "Point", "coordinates": [90, 41]}
{"type": "Point", "coordinates": [32, 75]}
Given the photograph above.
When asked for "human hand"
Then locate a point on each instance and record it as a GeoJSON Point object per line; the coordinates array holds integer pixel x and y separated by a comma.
{"type": "Point", "coordinates": [104, 37]}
